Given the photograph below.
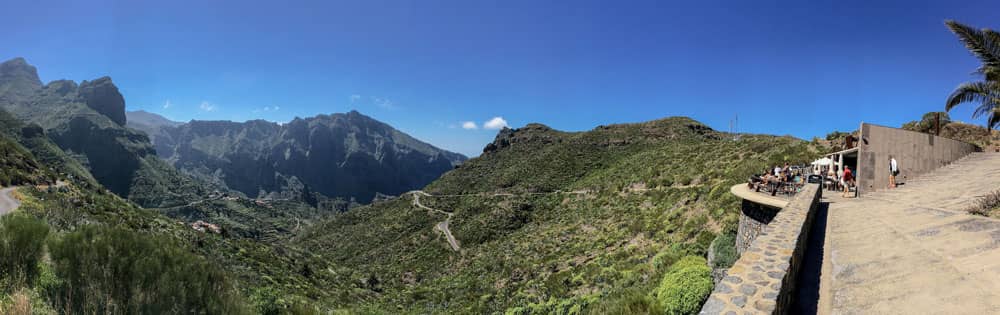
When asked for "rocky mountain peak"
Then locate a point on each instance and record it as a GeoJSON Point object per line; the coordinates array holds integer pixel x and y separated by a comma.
{"type": "Point", "coordinates": [18, 80]}
{"type": "Point", "coordinates": [19, 69]}
{"type": "Point", "coordinates": [102, 95]}
{"type": "Point", "coordinates": [61, 87]}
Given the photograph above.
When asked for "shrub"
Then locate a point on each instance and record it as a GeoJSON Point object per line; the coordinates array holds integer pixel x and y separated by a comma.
{"type": "Point", "coordinates": [22, 241]}
{"type": "Point", "coordinates": [685, 286]}
{"type": "Point", "coordinates": [112, 270]}
{"type": "Point", "coordinates": [985, 205]}
{"type": "Point", "coordinates": [724, 250]}
{"type": "Point", "coordinates": [664, 259]}
{"type": "Point", "coordinates": [630, 302]}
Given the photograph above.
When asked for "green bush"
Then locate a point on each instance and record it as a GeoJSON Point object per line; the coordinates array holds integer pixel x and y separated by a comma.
{"type": "Point", "coordinates": [724, 250]}
{"type": "Point", "coordinates": [22, 241]}
{"type": "Point", "coordinates": [113, 270]}
{"type": "Point", "coordinates": [631, 302]}
{"type": "Point", "coordinates": [685, 286]}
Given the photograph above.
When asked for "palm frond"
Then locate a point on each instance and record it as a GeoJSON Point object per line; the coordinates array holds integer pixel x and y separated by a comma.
{"type": "Point", "coordinates": [990, 73]}
{"type": "Point", "coordinates": [984, 44]}
{"type": "Point", "coordinates": [994, 120]}
{"type": "Point", "coordinates": [986, 93]}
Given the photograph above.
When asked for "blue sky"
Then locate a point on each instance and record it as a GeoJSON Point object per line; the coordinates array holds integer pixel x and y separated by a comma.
{"type": "Point", "coordinates": [802, 68]}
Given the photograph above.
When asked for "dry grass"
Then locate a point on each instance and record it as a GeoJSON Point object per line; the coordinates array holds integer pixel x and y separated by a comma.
{"type": "Point", "coordinates": [986, 205]}
{"type": "Point", "coordinates": [20, 304]}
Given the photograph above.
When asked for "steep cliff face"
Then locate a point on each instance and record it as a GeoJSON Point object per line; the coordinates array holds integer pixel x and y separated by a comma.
{"type": "Point", "coordinates": [87, 121]}
{"type": "Point", "coordinates": [341, 155]}
{"type": "Point", "coordinates": [102, 96]}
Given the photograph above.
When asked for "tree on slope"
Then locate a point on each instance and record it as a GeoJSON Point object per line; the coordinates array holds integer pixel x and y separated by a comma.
{"type": "Point", "coordinates": [985, 45]}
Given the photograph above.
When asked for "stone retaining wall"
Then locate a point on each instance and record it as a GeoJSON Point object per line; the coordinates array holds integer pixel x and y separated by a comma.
{"type": "Point", "coordinates": [753, 218]}
{"type": "Point", "coordinates": [762, 281]}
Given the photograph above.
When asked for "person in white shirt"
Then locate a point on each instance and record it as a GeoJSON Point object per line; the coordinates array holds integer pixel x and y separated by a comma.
{"type": "Point", "coordinates": [893, 171]}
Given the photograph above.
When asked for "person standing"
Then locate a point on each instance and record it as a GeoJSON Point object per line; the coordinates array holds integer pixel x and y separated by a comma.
{"type": "Point", "coordinates": [893, 171]}
{"type": "Point", "coordinates": [847, 180]}
{"type": "Point", "coordinates": [832, 176]}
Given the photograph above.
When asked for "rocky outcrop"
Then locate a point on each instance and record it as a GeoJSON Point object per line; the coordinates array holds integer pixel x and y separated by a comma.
{"type": "Point", "coordinates": [102, 95]}
{"type": "Point", "coordinates": [18, 80]}
{"type": "Point", "coordinates": [533, 132]}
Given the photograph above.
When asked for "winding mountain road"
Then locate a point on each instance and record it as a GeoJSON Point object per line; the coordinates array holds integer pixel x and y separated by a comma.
{"type": "Point", "coordinates": [441, 226]}
{"type": "Point", "coordinates": [7, 201]}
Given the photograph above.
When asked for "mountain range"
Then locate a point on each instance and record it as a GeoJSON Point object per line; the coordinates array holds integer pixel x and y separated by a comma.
{"type": "Point", "coordinates": [159, 163]}
{"type": "Point", "coordinates": [350, 156]}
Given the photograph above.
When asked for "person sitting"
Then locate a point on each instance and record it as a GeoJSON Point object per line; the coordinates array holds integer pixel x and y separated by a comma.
{"type": "Point", "coordinates": [768, 180]}
{"type": "Point", "coordinates": [754, 182]}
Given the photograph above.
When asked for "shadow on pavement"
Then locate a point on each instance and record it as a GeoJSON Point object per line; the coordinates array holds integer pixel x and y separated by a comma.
{"type": "Point", "coordinates": [807, 295]}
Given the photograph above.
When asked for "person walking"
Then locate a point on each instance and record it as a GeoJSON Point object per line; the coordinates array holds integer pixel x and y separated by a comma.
{"type": "Point", "coordinates": [893, 171]}
{"type": "Point", "coordinates": [847, 181]}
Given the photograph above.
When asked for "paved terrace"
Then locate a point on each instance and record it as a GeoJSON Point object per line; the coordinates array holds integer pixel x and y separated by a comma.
{"type": "Point", "coordinates": [914, 250]}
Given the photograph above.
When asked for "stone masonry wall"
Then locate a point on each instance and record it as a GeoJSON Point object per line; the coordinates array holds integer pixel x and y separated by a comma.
{"type": "Point", "coordinates": [762, 281]}
{"type": "Point", "coordinates": [753, 218]}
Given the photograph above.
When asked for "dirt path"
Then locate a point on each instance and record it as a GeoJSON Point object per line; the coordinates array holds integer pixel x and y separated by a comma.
{"type": "Point", "coordinates": [7, 201]}
{"type": "Point", "coordinates": [441, 226]}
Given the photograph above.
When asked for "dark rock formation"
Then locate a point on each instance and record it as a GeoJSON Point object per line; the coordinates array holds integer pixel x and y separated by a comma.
{"type": "Point", "coordinates": [102, 95]}
{"type": "Point", "coordinates": [533, 132]}
{"type": "Point", "coordinates": [341, 155]}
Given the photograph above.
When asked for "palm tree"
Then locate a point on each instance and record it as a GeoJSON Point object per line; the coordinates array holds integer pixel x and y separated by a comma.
{"type": "Point", "coordinates": [985, 45]}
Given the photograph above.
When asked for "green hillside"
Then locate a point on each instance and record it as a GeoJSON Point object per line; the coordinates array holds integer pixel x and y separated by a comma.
{"type": "Point", "coordinates": [107, 255]}
{"type": "Point", "coordinates": [552, 222]}
{"type": "Point", "coordinates": [33, 139]}
{"type": "Point", "coordinates": [18, 166]}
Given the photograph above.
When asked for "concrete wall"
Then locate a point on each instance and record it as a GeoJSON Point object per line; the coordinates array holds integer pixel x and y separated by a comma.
{"type": "Point", "coordinates": [763, 280]}
{"type": "Point", "coordinates": [753, 218]}
{"type": "Point", "coordinates": [916, 153]}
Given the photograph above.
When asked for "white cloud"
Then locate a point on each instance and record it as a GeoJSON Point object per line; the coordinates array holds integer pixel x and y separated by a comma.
{"type": "Point", "coordinates": [383, 103]}
{"type": "Point", "coordinates": [208, 107]}
{"type": "Point", "coordinates": [495, 123]}
{"type": "Point", "coordinates": [355, 98]}
{"type": "Point", "coordinates": [167, 104]}
{"type": "Point", "coordinates": [468, 125]}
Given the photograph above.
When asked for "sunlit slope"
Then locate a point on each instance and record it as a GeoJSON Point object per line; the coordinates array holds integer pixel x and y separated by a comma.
{"type": "Point", "coordinates": [551, 220]}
